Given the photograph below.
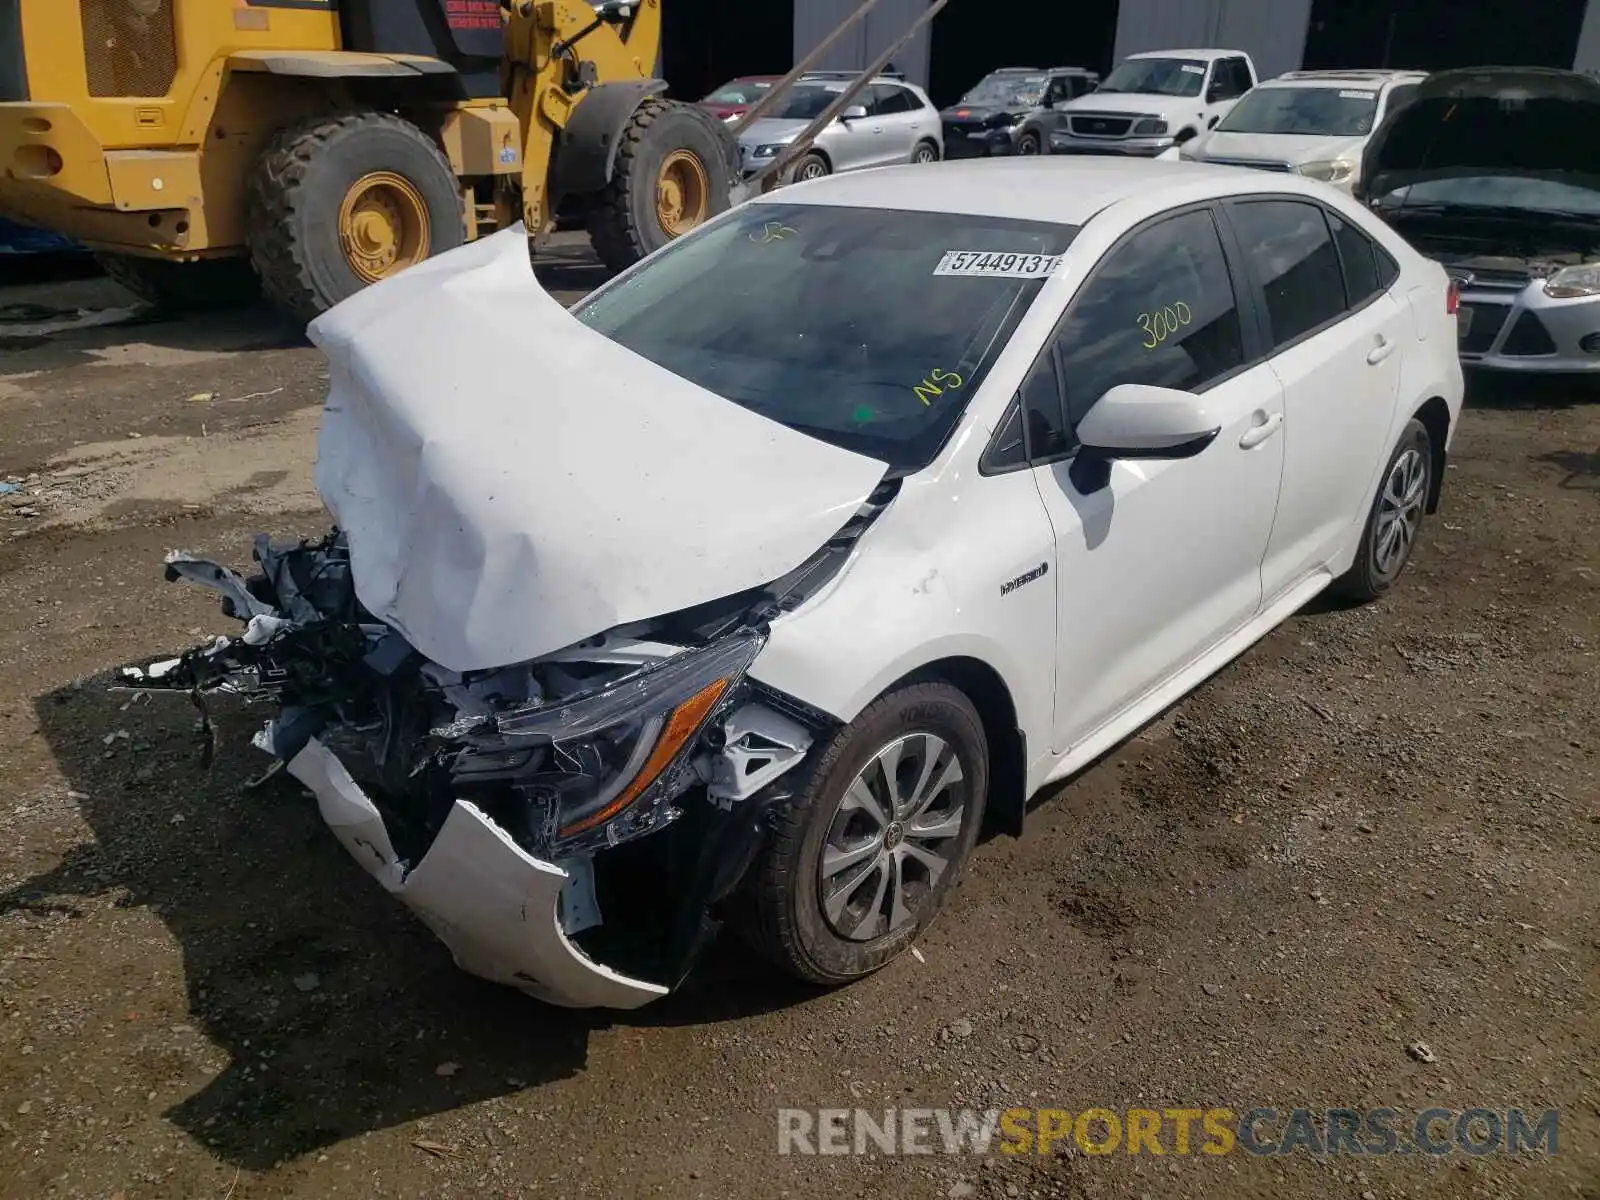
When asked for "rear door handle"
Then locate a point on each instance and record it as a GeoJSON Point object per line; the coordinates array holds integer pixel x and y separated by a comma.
{"type": "Point", "coordinates": [1257, 434]}
{"type": "Point", "coordinates": [1381, 351]}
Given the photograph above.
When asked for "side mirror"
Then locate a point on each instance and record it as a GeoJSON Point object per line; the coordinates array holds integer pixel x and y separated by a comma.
{"type": "Point", "coordinates": [1134, 420]}
{"type": "Point", "coordinates": [853, 112]}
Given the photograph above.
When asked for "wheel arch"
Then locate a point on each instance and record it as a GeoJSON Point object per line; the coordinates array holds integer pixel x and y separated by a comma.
{"type": "Point", "coordinates": [1187, 133]}
{"type": "Point", "coordinates": [587, 152]}
{"type": "Point", "coordinates": [821, 153]}
{"type": "Point", "coordinates": [1008, 755]}
{"type": "Point", "coordinates": [1435, 417]}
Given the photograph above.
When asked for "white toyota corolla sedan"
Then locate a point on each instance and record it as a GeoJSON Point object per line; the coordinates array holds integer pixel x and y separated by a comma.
{"type": "Point", "coordinates": [755, 586]}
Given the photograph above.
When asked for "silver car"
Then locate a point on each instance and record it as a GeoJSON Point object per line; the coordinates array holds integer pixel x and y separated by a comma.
{"type": "Point", "coordinates": [1494, 173]}
{"type": "Point", "coordinates": [1314, 123]}
{"type": "Point", "coordinates": [891, 121]}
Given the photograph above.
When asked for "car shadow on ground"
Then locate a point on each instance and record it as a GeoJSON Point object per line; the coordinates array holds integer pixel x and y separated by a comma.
{"type": "Point", "coordinates": [1507, 389]}
{"type": "Point", "coordinates": [335, 1007]}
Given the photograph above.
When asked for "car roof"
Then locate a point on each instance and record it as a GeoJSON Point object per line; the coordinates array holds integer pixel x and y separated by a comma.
{"type": "Point", "coordinates": [1374, 78]}
{"type": "Point", "coordinates": [1189, 54]}
{"type": "Point", "coordinates": [1063, 189]}
{"type": "Point", "coordinates": [826, 77]}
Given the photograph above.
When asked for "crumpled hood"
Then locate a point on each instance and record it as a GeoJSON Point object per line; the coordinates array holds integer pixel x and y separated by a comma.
{"type": "Point", "coordinates": [1293, 148]}
{"type": "Point", "coordinates": [979, 114]}
{"type": "Point", "coordinates": [512, 482]}
{"type": "Point", "coordinates": [1532, 121]}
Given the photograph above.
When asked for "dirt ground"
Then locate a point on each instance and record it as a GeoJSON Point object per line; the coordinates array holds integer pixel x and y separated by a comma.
{"type": "Point", "coordinates": [1380, 827]}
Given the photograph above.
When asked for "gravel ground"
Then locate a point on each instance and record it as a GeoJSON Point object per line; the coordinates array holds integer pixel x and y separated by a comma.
{"type": "Point", "coordinates": [1378, 828]}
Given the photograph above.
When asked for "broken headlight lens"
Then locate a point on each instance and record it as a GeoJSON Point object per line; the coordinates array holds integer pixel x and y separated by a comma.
{"type": "Point", "coordinates": [628, 737]}
{"type": "Point", "coordinates": [1569, 283]}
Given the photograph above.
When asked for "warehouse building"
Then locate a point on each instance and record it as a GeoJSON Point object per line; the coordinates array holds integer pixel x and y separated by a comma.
{"type": "Point", "coordinates": [708, 41]}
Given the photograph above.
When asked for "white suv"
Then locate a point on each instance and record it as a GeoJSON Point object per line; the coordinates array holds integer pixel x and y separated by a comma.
{"type": "Point", "coordinates": [1314, 123]}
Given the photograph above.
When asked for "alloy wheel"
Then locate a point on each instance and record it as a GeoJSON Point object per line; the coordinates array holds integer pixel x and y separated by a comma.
{"type": "Point", "coordinates": [1399, 513]}
{"type": "Point", "coordinates": [895, 833]}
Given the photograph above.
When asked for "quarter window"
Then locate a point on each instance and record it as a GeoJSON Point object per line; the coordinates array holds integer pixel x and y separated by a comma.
{"type": "Point", "coordinates": [1044, 420]}
{"type": "Point", "coordinates": [1358, 256]}
{"type": "Point", "coordinates": [1295, 262]}
{"type": "Point", "coordinates": [1159, 310]}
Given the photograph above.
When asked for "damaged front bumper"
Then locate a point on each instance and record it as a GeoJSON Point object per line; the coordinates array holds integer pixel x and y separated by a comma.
{"type": "Point", "coordinates": [493, 904]}
{"type": "Point", "coordinates": [507, 808]}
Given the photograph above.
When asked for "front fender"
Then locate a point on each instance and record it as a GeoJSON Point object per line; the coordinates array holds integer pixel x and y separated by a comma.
{"type": "Point", "coordinates": [594, 131]}
{"type": "Point", "coordinates": [947, 571]}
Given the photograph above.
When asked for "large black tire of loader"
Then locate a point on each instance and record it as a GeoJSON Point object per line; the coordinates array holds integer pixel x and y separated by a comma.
{"type": "Point", "coordinates": [184, 286]}
{"type": "Point", "coordinates": [623, 221]}
{"type": "Point", "coordinates": [300, 184]}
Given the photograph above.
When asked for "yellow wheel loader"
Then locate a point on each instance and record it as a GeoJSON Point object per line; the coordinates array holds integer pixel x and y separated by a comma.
{"type": "Point", "coordinates": [208, 149]}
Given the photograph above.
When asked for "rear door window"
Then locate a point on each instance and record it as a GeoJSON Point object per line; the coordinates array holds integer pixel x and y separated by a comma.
{"type": "Point", "coordinates": [1296, 265]}
{"type": "Point", "coordinates": [887, 99]}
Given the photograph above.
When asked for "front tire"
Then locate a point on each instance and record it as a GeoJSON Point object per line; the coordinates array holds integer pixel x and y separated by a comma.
{"type": "Point", "coordinates": [338, 203]}
{"type": "Point", "coordinates": [1029, 143]}
{"type": "Point", "coordinates": [1395, 518]}
{"type": "Point", "coordinates": [874, 842]}
{"type": "Point", "coordinates": [811, 166]}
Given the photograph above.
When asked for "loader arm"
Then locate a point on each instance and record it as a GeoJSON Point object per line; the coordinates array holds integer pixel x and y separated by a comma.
{"type": "Point", "coordinates": [559, 52]}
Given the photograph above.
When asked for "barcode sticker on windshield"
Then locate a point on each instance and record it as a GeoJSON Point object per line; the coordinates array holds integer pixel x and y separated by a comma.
{"type": "Point", "coordinates": [1356, 95]}
{"type": "Point", "coordinates": [992, 265]}
{"type": "Point", "coordinates": [1191, 69]}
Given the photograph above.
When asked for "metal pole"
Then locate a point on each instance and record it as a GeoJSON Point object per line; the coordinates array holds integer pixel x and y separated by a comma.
{"type": "Point", "coordinates": [763, 180]}
{"type": "Point", "coordinates": [777, 90]}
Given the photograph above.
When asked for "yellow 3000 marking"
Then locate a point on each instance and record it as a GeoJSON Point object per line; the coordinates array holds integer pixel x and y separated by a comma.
{"type": "Point", "coordinates": [936, 384]}
{"type": "Point", "coordinates": [1161, 323]}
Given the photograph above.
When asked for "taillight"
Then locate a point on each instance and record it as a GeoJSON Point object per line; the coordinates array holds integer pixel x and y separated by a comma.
{"type": "Point", "coordinates": [1452, 298]}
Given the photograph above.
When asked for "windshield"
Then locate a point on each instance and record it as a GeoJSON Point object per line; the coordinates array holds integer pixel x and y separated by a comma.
{"type": "Point", "coordinates": [865, 328]}
{"type": "Point", "coordinates": [1334, 112]}
{"type": "Point", "coordinates": [1157, 77]}
{"type": "Point", "coordinates": [740, 91]}
{"type": "Point", "coordinates": [1502, 192]}
{"type": "Point", "coordinates": [805, 103]}
{"type": "Point", "coordinates": [1006, 89]}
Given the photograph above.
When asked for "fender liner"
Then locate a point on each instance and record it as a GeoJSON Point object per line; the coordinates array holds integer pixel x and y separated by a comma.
{"type": "Point", "coordinates": [588, 149]}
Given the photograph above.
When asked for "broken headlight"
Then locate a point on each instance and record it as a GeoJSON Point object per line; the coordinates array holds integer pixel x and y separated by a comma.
{"type": "Point", "coordinates": [611, 759]}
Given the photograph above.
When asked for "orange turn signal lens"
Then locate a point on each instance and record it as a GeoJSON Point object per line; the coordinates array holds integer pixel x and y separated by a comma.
{"type": "Point", "coordinates": [680, 727]}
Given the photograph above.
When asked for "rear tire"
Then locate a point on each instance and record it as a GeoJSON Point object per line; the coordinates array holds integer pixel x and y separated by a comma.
{"type": "Point", "coordinates": [671, 175]}
{"type": "Point", "coordinates": [338, 203]}
{"type": "Point", "coordinates": [180, 287]}
{"type": "Point", "coordinates": [820, 911]}
{"type": "Point", "coordinates": [925, 151]}
{"type": "Point", "coordinates": [1394, 520]}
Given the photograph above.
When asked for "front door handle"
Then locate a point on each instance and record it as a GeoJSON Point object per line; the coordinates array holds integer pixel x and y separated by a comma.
{"type": "Point", "coordinates": [1381, 351]}
{"type": "Point", "coordinates": [1257, 434]}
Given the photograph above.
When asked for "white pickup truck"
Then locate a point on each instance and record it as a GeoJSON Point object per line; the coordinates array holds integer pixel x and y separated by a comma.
{"type": "Point", "coordinates": [1152, 102]}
